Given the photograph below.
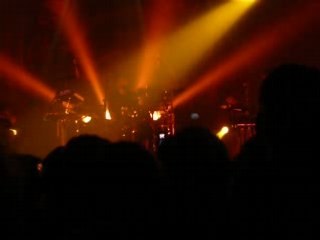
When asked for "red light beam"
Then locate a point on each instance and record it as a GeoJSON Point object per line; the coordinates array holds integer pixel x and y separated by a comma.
{"type": "Point", "coordinates": [25, 80]}
{"type": "Point", "coordinates": [77, 41]}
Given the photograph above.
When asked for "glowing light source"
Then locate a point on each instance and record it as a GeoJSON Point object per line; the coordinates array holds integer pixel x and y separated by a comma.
{"type": "Point", "coordinates": [108, 115]}
{"type": "Point", "coordinates": [75, 34]}
{"type": "Point", "coordinates": [224, 130]}
{"type": "Point", "coordinates": [156, 115]}
{"type": "Point", "coordinates": [24, 80]}
{"type": "Point", "coordinates": [86, 119]}
{"type": "Point", "coordinates": [13, 131]}
{"type": "Point", "coordinates": [185, 48]}
{"type": "Point", "coordinates": [264, 44]}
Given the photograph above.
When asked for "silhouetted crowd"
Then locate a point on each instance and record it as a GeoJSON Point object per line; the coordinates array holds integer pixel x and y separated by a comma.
{"type": "Point", "coordinates": [93, 188]}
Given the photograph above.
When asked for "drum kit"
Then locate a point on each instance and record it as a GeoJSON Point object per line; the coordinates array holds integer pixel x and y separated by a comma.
{"type": "Point", "coordinates": [241, 119]}
{"type": "Point", "coordinates": [66, 111]}
{"type": "Point", "coordinates": [138, 121]}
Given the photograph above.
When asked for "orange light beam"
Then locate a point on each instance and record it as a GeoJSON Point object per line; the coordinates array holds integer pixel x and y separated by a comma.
{"type": "Point", "coordinates": [259, 47]}
{"type": "Point", "coordinates": [25, 80]}
{"type": "Point", "coordinates": [160, 19]}
{"type": "Point", "coordinates": [76, 37]}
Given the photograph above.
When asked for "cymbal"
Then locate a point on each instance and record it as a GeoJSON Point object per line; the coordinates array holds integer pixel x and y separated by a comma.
{"type": "Point", "coordinates": [69, 96]}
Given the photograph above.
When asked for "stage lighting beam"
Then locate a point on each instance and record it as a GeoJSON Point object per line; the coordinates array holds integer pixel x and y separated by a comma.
{"type": "Point", "coordinates": [184, 49]}
{"type": "Point", "coordinates": [77, 41]}
{"type": "Point", "coordinates": [159, 22]}
{"type": "Point", "coordinates": [24, 80]}
{"type": "Point", "coordinates": [260, 47]}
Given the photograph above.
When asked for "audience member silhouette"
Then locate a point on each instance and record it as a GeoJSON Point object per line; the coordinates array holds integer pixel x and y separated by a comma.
{"type": "Point", "coordinates": [94, 187]}
{"type": "Point", "coordinates": [274, 185]}
{"type": "Point", "coordinates": [71, 175]}
{"type": "Point", "coordinates": [133, 196]}
{"type": "Point", "coordinates": [195, 164]}
{"type": "Point", "coordinates": [17, 184]}
{"type": "Point", "coordinates": [29, 193]}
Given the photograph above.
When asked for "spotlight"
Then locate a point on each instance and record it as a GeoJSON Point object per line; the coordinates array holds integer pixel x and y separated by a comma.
{"type": "Point", "coordinates": [156, 115]}
{"type": "Point", "coordinates": [13, 131]}
{"type": "Point", "coordinates": [86, 119]}
{"type": "Point", "coordinates": [224, 130]}
{"type": "Point", "coordinates": [107, 115]}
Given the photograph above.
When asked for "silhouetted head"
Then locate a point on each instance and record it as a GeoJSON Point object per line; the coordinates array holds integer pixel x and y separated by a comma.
{"type": "Point", "coordinates": [289, 102]}
{"type": "Point", "coordinates": [194, 151]}
{"type": "Point", "coordinates": [131, 160]}
{"type": "Point", "coordinates": [86, 148]}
